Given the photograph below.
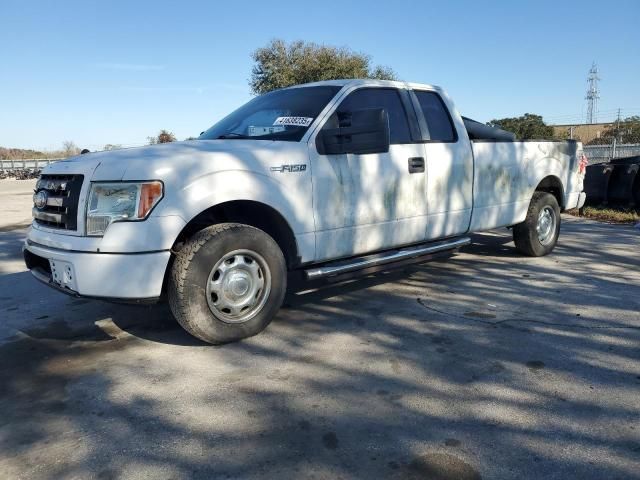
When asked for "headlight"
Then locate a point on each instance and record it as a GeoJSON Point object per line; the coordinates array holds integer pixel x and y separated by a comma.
{"type": "Point", "coordinates": [122, 201]}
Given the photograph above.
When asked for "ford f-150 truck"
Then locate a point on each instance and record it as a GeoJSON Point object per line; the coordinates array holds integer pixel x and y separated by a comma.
{"type": "Point", "coordinates": [321, 179]}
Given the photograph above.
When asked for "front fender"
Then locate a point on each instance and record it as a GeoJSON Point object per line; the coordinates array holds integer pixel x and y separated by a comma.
{"type": "Point", "coordinates": [291, 196]}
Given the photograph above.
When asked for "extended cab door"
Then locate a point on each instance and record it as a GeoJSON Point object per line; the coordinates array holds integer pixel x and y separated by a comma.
{"type": "Point", "coordinates": [364, 203]}
{"type": "Point", "coordinates": [449, 165]}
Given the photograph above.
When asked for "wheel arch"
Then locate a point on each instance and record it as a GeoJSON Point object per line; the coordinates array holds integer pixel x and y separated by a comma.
{"type": "Point", "coordinates": [553, 185]}
{"type": "Point", "coordinates": [249, 212]}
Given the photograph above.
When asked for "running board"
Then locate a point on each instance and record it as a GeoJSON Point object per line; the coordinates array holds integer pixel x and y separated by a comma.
{"type": "Point", "coordinates": [361, 263]}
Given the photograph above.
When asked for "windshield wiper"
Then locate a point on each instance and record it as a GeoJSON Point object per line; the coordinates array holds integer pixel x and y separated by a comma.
{"type": "Point", "coordinates": [229, 135]}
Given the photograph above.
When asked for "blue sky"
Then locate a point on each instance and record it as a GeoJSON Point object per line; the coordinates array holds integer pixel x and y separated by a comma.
{"type": "Point", "coordinates": [99, 72]}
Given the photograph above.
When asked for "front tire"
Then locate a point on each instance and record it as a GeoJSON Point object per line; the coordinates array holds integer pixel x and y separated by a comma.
{"type": "Point", "coordinates": [538, 234]}
{"type": "Point", "coordinates": [227, 282]}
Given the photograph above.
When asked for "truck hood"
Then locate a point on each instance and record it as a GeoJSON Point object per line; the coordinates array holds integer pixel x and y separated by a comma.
{"type": "Point", "coordinates": [165, 160]}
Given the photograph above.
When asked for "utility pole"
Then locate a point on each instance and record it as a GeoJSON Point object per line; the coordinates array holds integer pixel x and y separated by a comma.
{"type": "Point", "coordinates": [593, 94]}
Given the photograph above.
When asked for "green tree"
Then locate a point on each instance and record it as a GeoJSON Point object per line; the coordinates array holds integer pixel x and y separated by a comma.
{"type": "Point", "coordinates": [525, 127]}
{"type": "Point", "coordinates": [280, 65]}
{"type": "Point", "coordinates": [625, 131]}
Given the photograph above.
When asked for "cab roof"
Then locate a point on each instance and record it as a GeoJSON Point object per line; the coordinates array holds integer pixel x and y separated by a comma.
{"type": "Point", "coordinates": [367, 82]}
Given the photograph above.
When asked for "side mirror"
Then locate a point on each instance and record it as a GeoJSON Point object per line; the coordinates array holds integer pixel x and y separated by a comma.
{"type": "Point", "coordinates": [360, 132]}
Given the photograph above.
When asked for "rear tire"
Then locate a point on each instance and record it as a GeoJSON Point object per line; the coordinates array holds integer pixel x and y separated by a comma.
{"type": "Point", "coordinates": [227, 282]}
{"type": "Point", "coordinates": [538, 234]}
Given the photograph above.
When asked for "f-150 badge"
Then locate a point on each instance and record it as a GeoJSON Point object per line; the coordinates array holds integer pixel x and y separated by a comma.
{"type": "Point", "coordinates": [301, 167]}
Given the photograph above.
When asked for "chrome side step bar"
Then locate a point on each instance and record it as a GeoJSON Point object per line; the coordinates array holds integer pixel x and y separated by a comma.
{"type": "Point", "coordinates": [362, 263]}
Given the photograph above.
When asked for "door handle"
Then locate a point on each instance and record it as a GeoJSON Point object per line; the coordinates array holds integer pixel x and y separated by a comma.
{"type": "Point", "coordinates": [416, 165]}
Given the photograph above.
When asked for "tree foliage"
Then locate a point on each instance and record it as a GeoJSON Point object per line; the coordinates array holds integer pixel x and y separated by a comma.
{"type": "Point", "coordinates": [164, 136]}
{"type": "Point", "coordinates": [69, 149]}
{"type": "Point", "coordinates": [279, 65]}
{"type": "Point", "coordinates": [20, 153]}
{"type": "Point", "coordinates": [111, 146]}
{"type": "Point", "coordinates": [625, 131]}
{"type": "Point", "coordinates": [526, 127]}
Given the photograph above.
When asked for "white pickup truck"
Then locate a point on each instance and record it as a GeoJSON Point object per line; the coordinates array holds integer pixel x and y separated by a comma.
{"type": "Point", "coordinates": [323, 179]}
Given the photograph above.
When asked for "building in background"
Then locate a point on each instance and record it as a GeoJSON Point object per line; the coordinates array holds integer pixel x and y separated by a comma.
{"type": "Point", "coordinates": [584, 132]}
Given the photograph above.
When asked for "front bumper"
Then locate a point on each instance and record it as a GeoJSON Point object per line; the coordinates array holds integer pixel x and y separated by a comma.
{"type": "Point", "coordinates": [113, 276]}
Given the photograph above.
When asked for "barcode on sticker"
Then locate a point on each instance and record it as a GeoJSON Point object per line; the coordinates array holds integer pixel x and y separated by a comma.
{"type": "Point", "coordinates": [294, 121]}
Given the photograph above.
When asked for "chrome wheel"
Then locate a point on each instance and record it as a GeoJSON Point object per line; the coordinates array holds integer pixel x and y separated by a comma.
{"type": "Point", "coordinates": [238, 286]}
{"type": "Point", "coordinates": [546, 226]}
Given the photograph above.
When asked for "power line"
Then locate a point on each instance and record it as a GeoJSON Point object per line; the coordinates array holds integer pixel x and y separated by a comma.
{"type": "Point", "coordinates": [604, 116]}
{"type": "Point", "coordinates": [593, 94]}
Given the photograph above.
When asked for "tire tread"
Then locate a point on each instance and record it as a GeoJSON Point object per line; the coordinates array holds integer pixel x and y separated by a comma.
{"type": "Point", "coordinates": [523, 233]}
{"type": "Point", "coordinates": [179, 273]}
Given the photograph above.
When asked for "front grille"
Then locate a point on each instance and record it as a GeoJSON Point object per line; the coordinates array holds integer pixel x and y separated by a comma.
{"type": "Point", "coordinates": [61, 195]}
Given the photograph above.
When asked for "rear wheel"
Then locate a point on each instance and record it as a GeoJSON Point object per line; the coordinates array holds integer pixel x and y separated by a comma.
{"type": "Point", "coordinates": [227, 282]}
{"type": "Point", "coordinates": [538, 234]}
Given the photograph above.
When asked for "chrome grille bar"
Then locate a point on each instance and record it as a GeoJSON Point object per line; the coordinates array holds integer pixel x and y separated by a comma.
{"type": "Point", "coordinates": [60, 210]}
{"type": "Point", "coordinates": [47, 216]}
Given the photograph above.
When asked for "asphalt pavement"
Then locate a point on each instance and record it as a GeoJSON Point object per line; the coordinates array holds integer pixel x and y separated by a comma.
{"type": "Point", "coordinates": [486, 365]}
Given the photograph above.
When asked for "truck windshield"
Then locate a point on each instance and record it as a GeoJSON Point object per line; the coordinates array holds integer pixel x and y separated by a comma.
{"type": "Point", "coordinates": [278, 115]}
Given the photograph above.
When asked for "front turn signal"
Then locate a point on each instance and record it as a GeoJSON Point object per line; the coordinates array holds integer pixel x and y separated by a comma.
{"type": "Point", "coordinates": [150, 194]}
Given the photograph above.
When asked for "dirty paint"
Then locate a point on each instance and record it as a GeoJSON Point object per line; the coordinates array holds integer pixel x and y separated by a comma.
{"type": "Point", "coordinates": [506, 175]}
{"type": "Point", "coordinates": [359, 198]}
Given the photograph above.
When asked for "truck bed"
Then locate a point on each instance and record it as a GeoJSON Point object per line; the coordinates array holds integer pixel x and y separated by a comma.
{"type": "Point", "coordinates": [507, 172]}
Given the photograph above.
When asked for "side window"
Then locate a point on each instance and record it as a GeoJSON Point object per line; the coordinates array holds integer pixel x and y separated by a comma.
{"type": "Point", "coordinates": [387, 98]}
{"type": "Point", "coordinates": [437, 117]}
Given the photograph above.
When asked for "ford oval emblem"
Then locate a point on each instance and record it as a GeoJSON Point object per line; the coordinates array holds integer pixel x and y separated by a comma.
{"type": "Point", "coordinates": [40, 199]}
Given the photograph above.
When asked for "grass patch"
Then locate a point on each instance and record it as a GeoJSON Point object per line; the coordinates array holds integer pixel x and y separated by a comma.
{"type": "Point", "coordinates": [608, 214]}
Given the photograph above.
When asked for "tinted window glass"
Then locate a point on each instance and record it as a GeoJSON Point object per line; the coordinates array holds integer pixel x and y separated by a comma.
{"type": "Point", "coordinates": [386, 98]}
{"type": "Point", "coordinates": [278, 115]}
{"type": "Point", "coordinates": [437, 117]}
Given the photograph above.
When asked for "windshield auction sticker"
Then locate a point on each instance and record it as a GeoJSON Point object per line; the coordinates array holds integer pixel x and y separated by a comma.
{"type": "Point", "coordinates": [294, 121]}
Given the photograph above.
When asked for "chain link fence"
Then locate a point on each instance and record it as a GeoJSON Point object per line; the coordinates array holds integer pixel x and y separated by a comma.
{"type": "Point", "coordinates": [604, 153]}
{"type": "Point", "coordinates": [26, 164]}
{"type": "Point", "coordinates": [595, 154]}
{"type": "Point", "coordinates": [24, 169]}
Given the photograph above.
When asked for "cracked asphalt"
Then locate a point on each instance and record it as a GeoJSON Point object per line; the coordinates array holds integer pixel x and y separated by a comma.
{"type": "Point", "coordinates": [486, 365]}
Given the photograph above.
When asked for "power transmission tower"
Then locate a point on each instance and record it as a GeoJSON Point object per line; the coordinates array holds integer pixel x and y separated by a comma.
{"type": "Point", "coordinates": [593, 94]}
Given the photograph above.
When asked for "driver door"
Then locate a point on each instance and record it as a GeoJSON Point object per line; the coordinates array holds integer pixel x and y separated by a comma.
{"type": "Point", "coordinates": [368, 202]}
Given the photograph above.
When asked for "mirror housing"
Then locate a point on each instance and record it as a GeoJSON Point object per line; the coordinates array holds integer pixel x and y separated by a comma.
{"type": "Point", "coordinates": [360, 132]}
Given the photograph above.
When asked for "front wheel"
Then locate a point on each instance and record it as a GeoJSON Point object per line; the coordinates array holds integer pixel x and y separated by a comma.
{"type": "Point", "coordinates": [538, 234]}
{"type": "Point", "coordinates": [227, 282]}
